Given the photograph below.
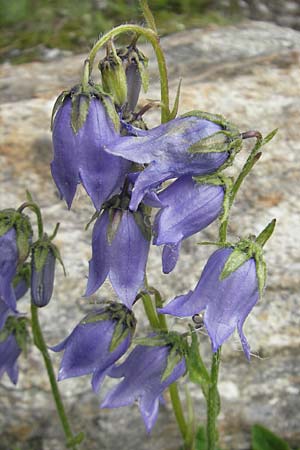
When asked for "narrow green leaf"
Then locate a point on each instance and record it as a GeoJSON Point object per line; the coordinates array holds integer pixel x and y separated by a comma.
{"type": "Point", "coordinates": [198, 373]}
{"type": "Point", "coordinates": [269, 136]}
{"type": "Point", "coordinates": [174, 111]}
{"type": "Point", "coordinates": [264, 439]}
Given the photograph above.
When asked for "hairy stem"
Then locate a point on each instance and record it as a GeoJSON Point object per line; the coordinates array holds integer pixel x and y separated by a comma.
{"type": "Point", "coordinates": [153, 38]}
{"type": "Point", "coordinates": [41, 345]}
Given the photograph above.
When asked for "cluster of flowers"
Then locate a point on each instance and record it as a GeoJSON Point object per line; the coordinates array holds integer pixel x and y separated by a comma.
{"type": "Point", "coordinates": [102, 143]}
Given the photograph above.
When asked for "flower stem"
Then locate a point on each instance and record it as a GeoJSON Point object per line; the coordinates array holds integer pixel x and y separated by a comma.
{"type": "Point", "coordinates": [178, 411]}
{"type": "Point", "coordinates": [34, 207]}
{"type": "Point", "coordinates": [41, 345]}
{"type": "Point", "coordinates": [213, 403]}
{"type": "Point", "coordinates": [153, 38]}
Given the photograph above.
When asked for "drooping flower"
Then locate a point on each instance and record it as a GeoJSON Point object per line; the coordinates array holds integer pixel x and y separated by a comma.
{"type": "Point", "coordinates": [171, 150]}
{"type": "Point", "coordinates": [96, 343]}
{"type": "Point", "coordinates": [122, 257]}
{"type": "Point", "coordinates": [9, 257]}
{"type": "Point", "coordinates": [226, 302]}
{"type": "Point", "coordinates": [187, 207]}
{"type": "Point", "coordinates": [144, 380]}
{"type": "Point", "coordinates": [79, 156]}
{"type": "Point", "coordinates": [9, 353]}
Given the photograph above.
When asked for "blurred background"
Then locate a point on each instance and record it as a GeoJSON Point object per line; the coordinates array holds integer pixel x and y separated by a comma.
{"type": "Point", "coordinates": [43, 29]}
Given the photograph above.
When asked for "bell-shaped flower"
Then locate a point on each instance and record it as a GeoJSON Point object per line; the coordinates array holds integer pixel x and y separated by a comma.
{"type": "Point", "coordinates": [187, 207]}
{"type": "Point", "coordinates": [78, 153]}
{"type": "Point", "coordinates": [226, 302]}
{"type": "Point", "coordinates": [96, 343]}
{"type": "Point", "coordinates": [9, 257]}
{"type": "Point", "coordinates": [119, 250]}
{"type": "Point", "coordinates": [145, 380]}
{"type": "Point", "coordinates": [172, 150]}
{"type": "Point", "coordinates": [9, 353]}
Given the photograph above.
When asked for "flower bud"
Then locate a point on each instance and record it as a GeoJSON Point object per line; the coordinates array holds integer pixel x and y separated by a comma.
{"type": "Point", "coordinates": [42, 273]}
{"type": "Point", "coordinates": [114, 78]}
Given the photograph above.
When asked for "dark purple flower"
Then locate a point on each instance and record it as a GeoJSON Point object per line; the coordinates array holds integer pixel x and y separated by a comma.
{"type": "Point", "coordinates": [88, 348]}
{"type": "Point", "coordinates": [123, 257]}
{"type": "Point", "coordinates": [187, 207]}
{"type": "Point", "coordinates": [166, 151]}
{"type": "Point", "coordinates": [79, 157]}
{"type": "Point", "coordinates": [42, 280]}
{"type": "Point", "coordinates": [9, 353]}
{"type": "Point", "coordinates": [143, 373]}
{"type": "Point", "coordinates": [8, 265]}
{"type": "Point", "coordinates": [226, 303]}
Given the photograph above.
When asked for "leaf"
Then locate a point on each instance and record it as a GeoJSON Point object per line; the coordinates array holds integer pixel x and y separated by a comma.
{"type": "Point", "coordinates": [264, 439]}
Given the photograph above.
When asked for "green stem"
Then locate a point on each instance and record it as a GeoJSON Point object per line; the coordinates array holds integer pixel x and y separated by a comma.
{"type": "Point", "coordinates": [178, 411]}
{"type": "Point", "coordinates": [34, 207]}
{"type": "Point", "coordinates": [153, 38]}
{"type": "Point", "coordinates": [251, 160]}
{"type": "Point", "coordinates": [150, 312]}
{"type": "Point", "coordinates": [148, 15]}
{"type": "Point", "coordinates": [41, 345]}
{"type": "Point", "coordinates": [213, 403]}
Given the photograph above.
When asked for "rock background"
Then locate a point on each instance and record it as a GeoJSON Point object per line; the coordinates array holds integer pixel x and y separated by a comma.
{"type": "Point", "coordinates": [250, 74]}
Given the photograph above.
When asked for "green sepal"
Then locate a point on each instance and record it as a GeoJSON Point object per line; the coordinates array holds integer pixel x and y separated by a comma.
{"type": "Point", "coordinates": [142, 64]}
{"type": "Point", "coordinates": [264, 439]}
{"type": "Point", "coordinates": [198, 373]}
{"type": "Point", "coordinates": [174, 357]}
{"type": "Point", "coordinates": [236, 259]}
{"type": "Point", "coordinates": [265, 235]}
{"type": "Point", "coordinates": [58, 102]}
{"type": "Point", "coordinates": [242, 252]}
{"type": "Point", "coordinates": [7, 220]}
{"type": "Point", "coordinates": [17, 326]}
{"type": "Point", "coordinates": [120, 333]}
{"type": "Point", "coordinates": [80, 108]}
{"type": "Point", "coordinates": [115, 217]}
{"type": "Point", "coordinates": [218, 142]}
{"type": "Point", "coordinates": [174, 111]}
{"type": "Point", "coordinates": [111, 111]}
{"type": "Point", "coordinates": [24, 235]}
{"type": "Point", "coordinates": [57, 255]}
{"type": "Point", "coordinates": [39, 254]}
{"type": "Point", "coordinates": [142, 220]}
{"type": "Point", "coordinates": [216, 118]}
{"type": "Point", "coordinates": [215, 179]}
{"type": "Point", "coordinates": [24, 273]}
{"type": "Point", "coordinates": [114, 77]}
{"type": "Point", "coordinates": [93, 318]}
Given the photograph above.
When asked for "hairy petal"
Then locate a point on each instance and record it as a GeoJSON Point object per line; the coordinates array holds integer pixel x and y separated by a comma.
{"type": "Point", "coordinates": [9, 353]}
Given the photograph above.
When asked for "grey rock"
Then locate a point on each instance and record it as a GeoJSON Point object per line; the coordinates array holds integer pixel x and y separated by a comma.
{"type": "Point", "coordinates": [250, 74]}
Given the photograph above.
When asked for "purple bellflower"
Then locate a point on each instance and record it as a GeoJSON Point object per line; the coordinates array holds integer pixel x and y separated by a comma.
{"type": "Point", "coordinates": [226, 302]}
{"type": "Point", "coordinates": [42, 281]}
{"type": "Point", "coordinates": [143, 381]}
{"type": "Point", "coordinates": [9, 256]}
{"type": "Point", "coordinates": [166, 150]}
{"type": "Point", "coordinates": [79, 156]}
{"type": "Point", "coordinates": [9, 353]}
{"type": "Point", "coordinates": [88, 349]}
{"type": "Point", "coordinates": [187, 207]}
{"type": "Point", "coordinates": [123, 257]}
